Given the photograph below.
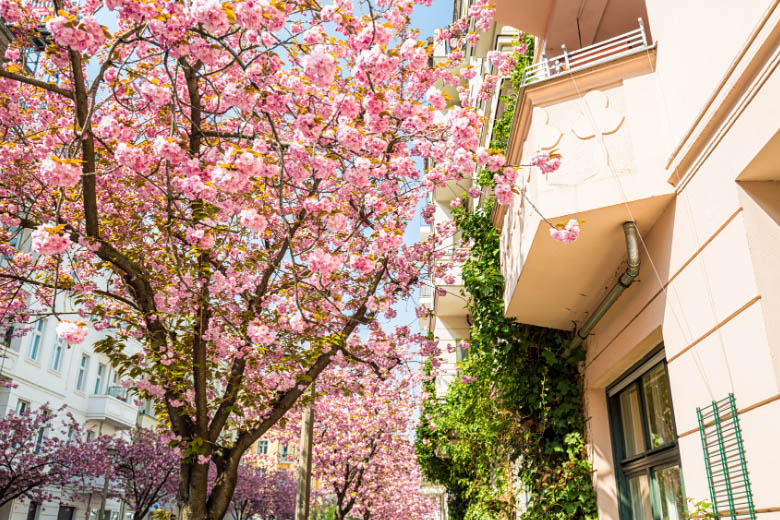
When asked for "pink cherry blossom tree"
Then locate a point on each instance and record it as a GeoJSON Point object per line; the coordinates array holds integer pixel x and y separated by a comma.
{"type": "Point", "coordinates": [227, 183]}
{"type": "Point", "coordinates": [141, 467]}
{"type": "Point", "coordinates": [37, 453]}
{"type": "Point", "coordinates": [144, 470]}
{"type": "Point", "coordinates": [268, 493]}
{"type": "Point", "coordinates": [363, 453]}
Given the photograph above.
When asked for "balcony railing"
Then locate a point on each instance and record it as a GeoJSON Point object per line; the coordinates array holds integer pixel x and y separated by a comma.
{"type": "Point", "coordinates": [117, 391]}
{"type": "Point", "coordinates": [589, 56]}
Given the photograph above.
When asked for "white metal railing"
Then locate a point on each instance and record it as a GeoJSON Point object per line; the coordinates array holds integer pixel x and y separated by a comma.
{"type": "Point", "coordinates": [600, 52]}
{"type": "Point", "coordinates": [426, 291]}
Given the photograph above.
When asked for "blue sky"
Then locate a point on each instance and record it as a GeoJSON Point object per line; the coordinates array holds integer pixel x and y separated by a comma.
{"type": "Point", "coordinates": [427, 19]}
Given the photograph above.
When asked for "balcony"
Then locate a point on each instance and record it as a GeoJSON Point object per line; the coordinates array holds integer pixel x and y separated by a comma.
{"type": "Point", "coordinates": [590, 56]}
{"type": "Point", "coordinates": [447, 298]}
{"type": "Point", "coordinates": [145, 420]}
{"type": "Point", "coordinates": [112, 408]}
{"type": "Point", "coordinates": [599, 107]}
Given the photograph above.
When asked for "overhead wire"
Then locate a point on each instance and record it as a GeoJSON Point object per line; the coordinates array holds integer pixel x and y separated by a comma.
{"type": "Point", "coordinates": [664, 287]}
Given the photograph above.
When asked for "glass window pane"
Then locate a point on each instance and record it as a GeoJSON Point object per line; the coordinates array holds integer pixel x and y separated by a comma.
{"type": "Point", "coordinates": [669, 495]}
{"type": "Point", "coordinates": [639, 491]}
{"type": "Point", "coordinates": [631, 419]}
{"type": "Point", "coordinates": [660, 418]}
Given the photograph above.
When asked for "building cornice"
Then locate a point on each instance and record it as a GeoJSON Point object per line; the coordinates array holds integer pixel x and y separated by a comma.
{"type": "Point", "coordinates": [752, 67]}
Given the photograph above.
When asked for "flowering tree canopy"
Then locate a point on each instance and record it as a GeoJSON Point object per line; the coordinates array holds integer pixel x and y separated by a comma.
{"type": "Point", "coordinates": [363, 454]}
{"type": "Point", "coordinates": [228, 184]}
{"type": "Point", "coordinates": [144, 470]}
{"type": "Point", "coordinates": [263, 492]}
{"type": "Point", "coordinates": [36, 453]}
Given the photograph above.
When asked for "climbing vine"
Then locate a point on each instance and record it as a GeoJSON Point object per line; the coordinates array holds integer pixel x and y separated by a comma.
{"type": "Point", "coordinates": [512, 424]}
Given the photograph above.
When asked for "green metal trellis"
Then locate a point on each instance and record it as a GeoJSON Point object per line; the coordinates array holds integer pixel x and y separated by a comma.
{"type": "Point", "coordinates": [724, 460]}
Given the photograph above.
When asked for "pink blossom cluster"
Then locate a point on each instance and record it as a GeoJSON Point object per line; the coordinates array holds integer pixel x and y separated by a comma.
{"type": "Point", "coordinates": [260, 334]}
{"type": "Point", "coordinates": [49, 239]}
{"type": "Point", "coordinates": [322, 262]}
{"type": "Point", "coordinates": [71, 332]}
{"type": "Point", "coordinates": [504, 188]}
{"type": "Point", "coordinates": [200, 237]}
{"type": "Point", "coordinates": [320, 66]}
{"type": "Point", "coordinates": [548, 162]}
{"type": "Point", "coordinates": [250, 219]}
{"type": "Point", "coordinates": [566, 233]}
{"type": "Point", "coordinates": [58, 172]}
{"type": "Point", "coordinates": [435, 97]}
{"type": "Point", "coordinates": [211, 14]}
{"type": "Point", "coordinates": [503, 62]}
{"type": "Point", "coordinates": [83, 35]}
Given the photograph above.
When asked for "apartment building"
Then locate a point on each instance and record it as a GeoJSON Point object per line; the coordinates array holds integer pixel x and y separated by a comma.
{"type": "Point", "coordinates": [276, 454]}
{"type": "Point", "coordinates": [667, 116]}
{"type": "Point", "coordinates": [448, 320]}
{"type": "Point", "coordinates": [37, 368]}
{"type": "Point", "coordinates": [449, 317]}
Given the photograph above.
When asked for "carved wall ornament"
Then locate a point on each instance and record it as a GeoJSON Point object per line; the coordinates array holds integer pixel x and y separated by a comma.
{"type": "Point", "coordinates": [597, 117]}
{"type": "Point", "coordinates": [546, 134]}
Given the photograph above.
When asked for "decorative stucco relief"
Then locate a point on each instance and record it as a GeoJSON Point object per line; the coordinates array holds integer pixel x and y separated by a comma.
{"type": "Point", "coordinates": [596, 120]}
{"type": "Point", "coordinates": [547, 135]}
{"type": "Point", "coordinates": [597, 117]}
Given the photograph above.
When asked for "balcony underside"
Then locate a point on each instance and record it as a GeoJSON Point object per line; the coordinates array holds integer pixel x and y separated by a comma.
{"type": "Point", "coordinates": [561, 283]}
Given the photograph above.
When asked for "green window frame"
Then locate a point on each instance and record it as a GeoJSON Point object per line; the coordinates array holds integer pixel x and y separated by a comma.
{"type": "Point", "coordinates": [644, 443]}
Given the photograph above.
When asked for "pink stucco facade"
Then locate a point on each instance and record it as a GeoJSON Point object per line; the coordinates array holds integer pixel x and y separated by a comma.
{"type": "Point", "coordinates": [683, 137]}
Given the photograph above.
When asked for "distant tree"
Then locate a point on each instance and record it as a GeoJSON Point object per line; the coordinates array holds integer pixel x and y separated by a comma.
{"type": "Point", "coordinates": [38, 449]}
{"type": "Point", "coordinates": [363, 453]}
{"type": "Point", "coordinates": [145, 470]}
{"type": "Point", "coordinates": [263, 492]}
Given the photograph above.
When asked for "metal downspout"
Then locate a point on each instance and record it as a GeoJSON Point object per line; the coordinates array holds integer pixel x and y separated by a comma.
{"type": "Point", "coordinates": [625, 280]}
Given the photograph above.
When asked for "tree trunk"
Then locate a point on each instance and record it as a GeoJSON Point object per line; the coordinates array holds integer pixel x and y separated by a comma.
{"type": "Point", "coordinates": [193, 496]}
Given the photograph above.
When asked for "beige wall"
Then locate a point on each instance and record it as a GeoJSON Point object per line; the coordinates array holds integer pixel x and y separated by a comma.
{"type": "Point", "coordinates": [701, 117]}
{"type": "Point", "coordinates": [709, 285]}
{"type": "Point", "coordinates": [697, 41]}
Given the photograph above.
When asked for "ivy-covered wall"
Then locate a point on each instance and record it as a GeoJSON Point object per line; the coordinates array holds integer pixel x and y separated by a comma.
{"type": "Point", "coordinates": [512, 424]}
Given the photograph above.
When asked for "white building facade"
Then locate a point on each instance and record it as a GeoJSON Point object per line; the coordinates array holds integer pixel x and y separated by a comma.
{"type": "Point", "coordinates": [37, 368]}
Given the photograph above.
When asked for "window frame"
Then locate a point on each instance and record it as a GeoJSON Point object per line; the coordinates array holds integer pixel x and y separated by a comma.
{"type": "Point", "coordinates": [650, 459]}
{"type": "Point", "coordinates": [57, 354]}
{"type": "Point", "coordinates": [264, 444]}
{"type": "Point", "coordinates": [101, 372]}
{"type": "Point", "coordinates": [22, 403]}
{"type": "Point", "coordinates": [7, 337]}
{"type": "Point", "coordinates": [83, 372]}
{"type": "Point", "coordinates": [36, 340]}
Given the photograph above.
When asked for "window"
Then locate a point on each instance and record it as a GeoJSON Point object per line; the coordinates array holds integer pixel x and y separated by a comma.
{"type": "Point", "coordinates": [262, 447]}
{"type": "Point", "coordinates": [461, 354]}
{"type": "Point", "coordinates": [644, 441]}
{"type": "Point", "coordinates": [32, 511]}
{"type": "Point", "coordinates": [81, 380]}
{"type": "Point", "coordinates": [34, 349]}
{"type": "Point", "coordinates": [39, 439]}
{"type": "Point", "coordinates": [99, 380]}
{"type": "Point", "coordinates": [65, 512]}
{"type": "Point", "coordinates": [7, 336]}
{"type": "Point", "coordinates": [22, 406]}
{"type": "Point", "coordinates": [90, 435]}
{"type": "Point", "coordinates": [56, 355]}
{"type": "Point", "coordinates": [285, 454]}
